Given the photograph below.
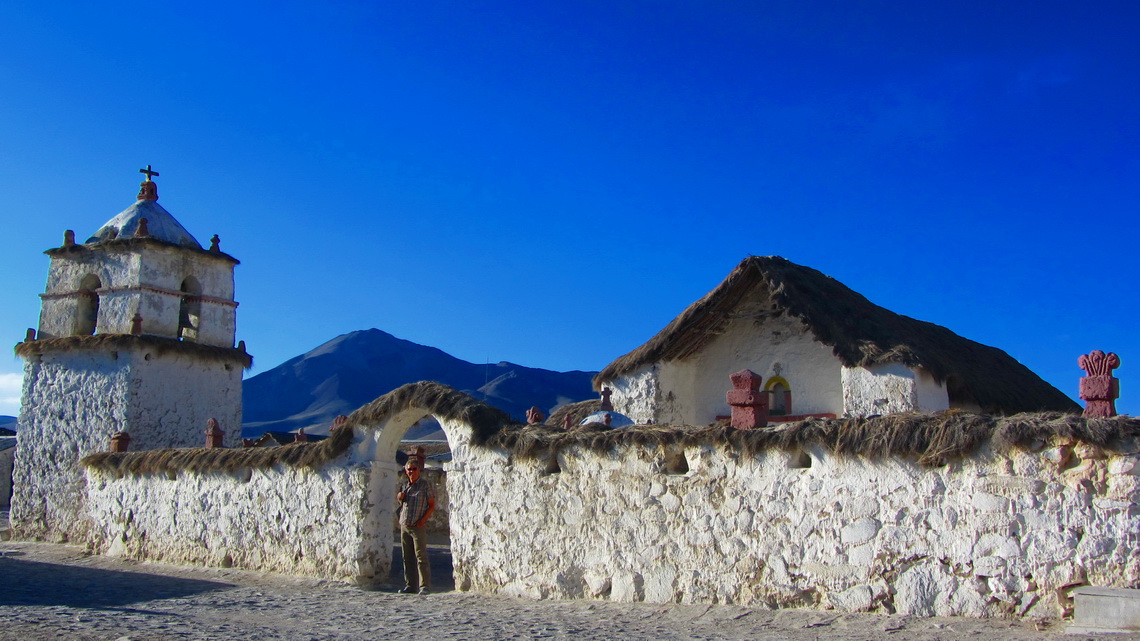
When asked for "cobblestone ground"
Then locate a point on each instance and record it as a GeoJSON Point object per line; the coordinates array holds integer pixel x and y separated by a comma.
{"type": "Point", "coordinates": [58, 592]}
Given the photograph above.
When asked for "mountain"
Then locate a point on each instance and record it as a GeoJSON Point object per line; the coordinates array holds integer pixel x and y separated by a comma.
{"type": "Point", "coordinates": [352, 369]}
{"type": "Point", "coordinates": [8, 422]}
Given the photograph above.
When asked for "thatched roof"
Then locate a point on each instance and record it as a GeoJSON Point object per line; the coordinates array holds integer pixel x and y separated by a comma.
{"type": "Point", "coordinates": [158, 344]}
{"type": "Point", "coordinates": [931, 439]}
{"type": "Point", "coordinates": [438, 399]}
{"type": "Point", "coordinates": [577, 411]}
{"type": "Point", "coordinates": [860, 333]}
{"type": "Point", "coordinates": [197, 459]}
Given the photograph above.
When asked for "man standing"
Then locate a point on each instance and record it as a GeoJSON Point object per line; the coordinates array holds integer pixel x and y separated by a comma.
{"type": "Point", "coordinates": [417, 502]}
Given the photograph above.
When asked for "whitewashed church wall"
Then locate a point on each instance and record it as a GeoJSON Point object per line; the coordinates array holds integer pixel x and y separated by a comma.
{"type": "Point", "coordinates": [692, 391]}
{"type": "Point", "coordinates": [70, 405]}
{"type": "Point", "coordinates": [989, 536]}
{"type": "Point", "coordinates": [7, 458]}
{"type": "Point", "coordinates": [74, 401]}
{"type": "Point", "coordinates": [637, 395]}
{"type": "Point", "coordinates": [291, 520]}
{"type": "Point", "coordinates": [176, 394]}
{"type": "Point", "coordinates": [891, 388]}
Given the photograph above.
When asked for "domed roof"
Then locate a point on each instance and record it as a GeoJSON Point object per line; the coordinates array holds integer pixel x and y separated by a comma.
{"type": "Point", "coordinates": [161, 225]}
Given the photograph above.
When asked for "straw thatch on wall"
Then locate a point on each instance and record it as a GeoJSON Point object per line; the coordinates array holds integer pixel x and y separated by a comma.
{"type": "Point", "coordinates": [860, 333]}
{"type": "Point", "coordinates": [438, 400]}
{"type": "Point", "coordinates": [123, 244]}
{"type": "Point", "coordinates": [577, 412]}
{"type": "Point", "coordinates": [222, 459]}
{"type": "Point", "coordinates": [931, 439]}
{"type": "Point", "coordinates": [158, 344]}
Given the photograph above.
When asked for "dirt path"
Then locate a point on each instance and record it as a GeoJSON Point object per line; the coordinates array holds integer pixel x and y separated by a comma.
{"type": "Point", "coordinates": [57, 592]}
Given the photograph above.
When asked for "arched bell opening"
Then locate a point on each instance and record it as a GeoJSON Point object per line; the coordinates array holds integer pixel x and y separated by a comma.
{"type": "Point", "coordinates": [87, 307]}
{"type": "Point", "coordinates": [190, 310]}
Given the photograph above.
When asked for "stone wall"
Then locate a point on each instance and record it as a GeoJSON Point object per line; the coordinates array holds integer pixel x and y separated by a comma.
{"type": "Point", "coordinates": [992, 535]}
{"type": "Point", "coordinates": [73, 401]}
{"type": "Point", "coordinates": [293, 520]}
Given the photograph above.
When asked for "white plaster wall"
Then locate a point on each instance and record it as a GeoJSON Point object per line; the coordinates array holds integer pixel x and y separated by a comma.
{"type": "Point", "coordinates": [692, 391]}
{"type": "Point", "coordinates": [637, 395]}
{"type": "Point", "coordinates": [73, 402]}
{"type": "Point", "coordinates": [989, 536]}
{"type": "Point", "coordinates": [891, 388]}
{"type": "Point", "coordinates": [299, 521]}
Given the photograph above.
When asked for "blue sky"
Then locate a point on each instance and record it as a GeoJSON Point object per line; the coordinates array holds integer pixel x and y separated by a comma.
{"type": "Point", "coordinates": [551, 185]}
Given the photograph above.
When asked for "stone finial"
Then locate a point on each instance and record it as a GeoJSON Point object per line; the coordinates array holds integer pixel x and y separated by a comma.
{"type": "Point", "coordinates": [339, 422]}
{"type": "Point", "coordinates": [607, 419]}
{"type": "Point", "coordinates": [143, 231]}
{"type": "Point", "coordinates": [301, 436]}
{"type": "Point", "coordinates": [567, 422]}
{"type": "Point", "coordinates": [120, 441]}
{"type": "Point", "coordinates": [241, 345]}
{"type": "Point", "coordinates": [148, 191]}
{"type": "Point", "coordinates": [607, 406]}
{"type": "Point", "coordinates": [534, 416]}
{"type": "Point", "coordinates": [214, 434]}
{"type": "Point", "coordinates": [749, 404]}
{"type": "Point", "coordinates": [247, 442]}
{"type": "Point", "coordinates": [30, 335]}
{"type": "Point", "coordinates": [1099, 388]}
{"type": "Point", "coordinates": [214, 243]}
{"type": "Point", "coordinates": [417, 454]}
{"type": "Point", "coordinates": [69, 238]}
{"type": "Point", "coordinates": [136, 324]}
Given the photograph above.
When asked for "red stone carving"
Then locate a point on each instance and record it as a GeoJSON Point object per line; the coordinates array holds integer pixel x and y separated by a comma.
{"type": "Point", "coordinates": [136, 324]}
{"type": "Point", "coordinates": [30, 335]}
{"type": "Point", "coordinates": [120, 441]}
{"type": "Point", "coordinates": [68, 238]}
{"type": "Point", "coordinates": [214, 434]}
{"type": "Point", "coordinates": [417, 454]}
{"type": "Point", "coordinates": [534, 416]}
{"type": "Point", "coordinates": [143, 231]}
{"type": "Point", "coordinates": [214, 244]}
{"type": "Point", "coordinates": [607, 419]}
{"type": "Point", "coordinates": [1099, 388]}
{"type": "Point", "coordinates": [301, 436]}
{"type": "Point", "coordinates": [568, 422]}
{"type": "Point", "coordinates": [749, 403]}
{"type": "Point", "coordinates": [339, 422]}
{"type": "Point", "coordinates": [607, 406]}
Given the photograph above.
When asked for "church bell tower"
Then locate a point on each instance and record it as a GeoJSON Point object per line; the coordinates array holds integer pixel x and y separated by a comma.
{"type": "Point", "coordinates": [136, 335]}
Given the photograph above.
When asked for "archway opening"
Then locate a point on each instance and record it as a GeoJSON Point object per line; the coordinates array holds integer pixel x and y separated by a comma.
{"type": "Point", "coordinates": [87, 308]}
{"type": "Point", "coordinates": [190, 310]}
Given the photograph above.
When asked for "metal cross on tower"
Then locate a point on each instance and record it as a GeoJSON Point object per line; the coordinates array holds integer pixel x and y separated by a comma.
{"type": "Point", "coordinates": [148, 172]}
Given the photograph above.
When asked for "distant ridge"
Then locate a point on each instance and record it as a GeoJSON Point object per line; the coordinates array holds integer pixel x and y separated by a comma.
{"type": "Point", "coordinates": [352, 369]}
{"type": "Point", "coordinates": [8, 422]}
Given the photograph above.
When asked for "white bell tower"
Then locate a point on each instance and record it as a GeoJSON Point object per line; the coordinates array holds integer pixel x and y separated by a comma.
{"type": "Point", "coordinates": [136, 335]}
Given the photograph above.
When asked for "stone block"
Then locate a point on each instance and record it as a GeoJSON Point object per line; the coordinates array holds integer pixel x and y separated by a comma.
{"type": "Point", "coordinates": [860, 531]}
{"type": "Point", "coordinates": [1100, 610]}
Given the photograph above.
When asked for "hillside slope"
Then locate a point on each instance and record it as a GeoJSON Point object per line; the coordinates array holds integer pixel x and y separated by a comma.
{"type": "Point", "coordinates": [352, 369]}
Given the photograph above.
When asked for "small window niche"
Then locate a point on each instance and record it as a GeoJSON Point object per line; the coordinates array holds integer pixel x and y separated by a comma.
{"type": "Point", "coordinates": [780, 396]}
{"type": "Point", "coordinates": [87, 309]}
{"type": "Point", "coordinates": [552, 466]}
{"type": "Point", "coordinates": [675, 462]}
{"type": "Point", "coordinates": [799, 460]}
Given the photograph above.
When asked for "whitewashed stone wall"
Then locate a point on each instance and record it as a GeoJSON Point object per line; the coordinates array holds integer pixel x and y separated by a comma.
{"type": "Point", "coordinates": [74, 401]}
{"type": "Point", "coordinates": [298, 521]}
{"type": "Point", "coordinates": [989, 536]}
{"type": "Point", "coordinates": [891, 388]}
{"type": "Point", "coordinates": [7, 458]}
